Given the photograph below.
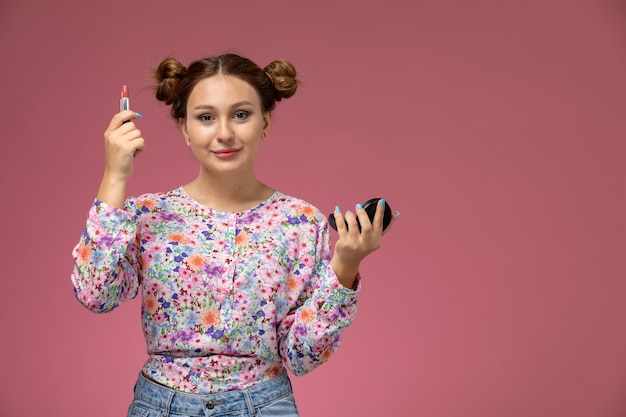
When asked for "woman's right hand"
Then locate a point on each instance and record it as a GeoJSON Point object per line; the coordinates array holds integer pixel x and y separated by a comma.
{"type": "Point", "coordinates": [122, 142]}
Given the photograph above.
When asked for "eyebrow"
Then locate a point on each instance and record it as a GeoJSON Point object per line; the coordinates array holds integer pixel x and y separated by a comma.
{"type": "Point", "coordinates": [234, 105]}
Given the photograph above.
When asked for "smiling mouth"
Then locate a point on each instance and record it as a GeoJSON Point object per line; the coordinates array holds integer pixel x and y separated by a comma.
{"type": "Point", "coordinates": [226, 153]}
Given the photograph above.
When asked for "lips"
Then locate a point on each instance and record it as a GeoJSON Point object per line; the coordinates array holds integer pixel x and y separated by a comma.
{"type": "Point", "coordinates": [226, 153]}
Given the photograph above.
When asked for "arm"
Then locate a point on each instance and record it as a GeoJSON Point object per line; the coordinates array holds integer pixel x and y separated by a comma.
{"type": "Point", "coordinates": [106, 259]}
{"type": "Point", "coordinates": [311, 332]}
{"type": "Point", "coordinates": [105, 264]}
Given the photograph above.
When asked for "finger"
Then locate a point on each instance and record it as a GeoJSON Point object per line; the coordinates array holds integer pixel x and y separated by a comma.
{"type": "Point", "coordinates": [140, 148]}
{"type": "Point", "coordinates": [121, 117]}
{"type": "Point", "coordinates": [126, 128]}
{"type": "Point", "coordinates": [127, 139]}
{"type": "Point", "coordinates": [339, 220]}
{"type": "Point", "coordinates": [123, 134]}
{"type": "Point", "coordinates": [353, 227]}
{"type": "Point", "coordinates": [364, 220]}
{"type": "Point", "coordinates": [135, 115]}
{"type": "Point", "coordinates": [135, 142]}
{"type": "Point", "coordinates": [379, 215]}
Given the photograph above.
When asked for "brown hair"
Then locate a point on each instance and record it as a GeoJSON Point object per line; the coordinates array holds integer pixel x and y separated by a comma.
{"type": "Point", "coordinates": [175, 82]}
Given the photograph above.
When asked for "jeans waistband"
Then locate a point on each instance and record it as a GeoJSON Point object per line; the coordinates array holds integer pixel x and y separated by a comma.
{"type": "Point", "coordinates": [181, 402]}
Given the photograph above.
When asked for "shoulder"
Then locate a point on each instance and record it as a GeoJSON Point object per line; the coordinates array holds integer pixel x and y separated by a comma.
{"type": "Point", "coordinates": [298, 210]}
{"type": "Point", "coordinates": [158, 201]}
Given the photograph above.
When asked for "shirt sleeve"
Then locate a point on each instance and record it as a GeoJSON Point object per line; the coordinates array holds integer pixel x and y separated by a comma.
{"type": "Point", "coordinates": [311, 333]}
{"type": "Point", "coordinates": [106, 258]}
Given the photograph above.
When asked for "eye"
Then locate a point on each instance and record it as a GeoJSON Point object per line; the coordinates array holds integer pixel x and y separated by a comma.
{"type": "Point", "coordinates": [241, 115]}
{"type": "Point", "coordinates": [205, 117]}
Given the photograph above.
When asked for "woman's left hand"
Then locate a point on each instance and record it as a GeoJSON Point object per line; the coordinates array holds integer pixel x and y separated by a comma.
{"type": "Point", "coordinates": [353, 246]}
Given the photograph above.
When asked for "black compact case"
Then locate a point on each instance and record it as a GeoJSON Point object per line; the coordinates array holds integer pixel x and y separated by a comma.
{"type": "Point", "coordinates": [370, 208]}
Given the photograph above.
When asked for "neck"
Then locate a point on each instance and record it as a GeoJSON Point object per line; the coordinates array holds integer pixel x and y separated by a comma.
{"type": "Point", "coordinates": [227, 193]}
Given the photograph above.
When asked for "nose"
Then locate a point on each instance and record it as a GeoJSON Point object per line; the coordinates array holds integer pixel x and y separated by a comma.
{"type": "Point", "coordinates": [224, 131]}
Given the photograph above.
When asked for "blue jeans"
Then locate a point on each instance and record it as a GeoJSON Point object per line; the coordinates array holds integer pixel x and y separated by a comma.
{"type": "Point", "coordinates": [270, 398]}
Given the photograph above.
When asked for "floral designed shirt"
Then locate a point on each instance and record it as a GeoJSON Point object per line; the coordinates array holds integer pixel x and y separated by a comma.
{"type": "Point", "coordinates": [228, 299]}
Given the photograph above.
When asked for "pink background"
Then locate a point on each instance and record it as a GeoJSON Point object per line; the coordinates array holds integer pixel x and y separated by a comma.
{"type": "Point", "coordinates": [496, 128]}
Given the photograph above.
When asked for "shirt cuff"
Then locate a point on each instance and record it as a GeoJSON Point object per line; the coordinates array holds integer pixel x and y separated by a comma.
{"type": "Point", "coordinates": [106, 220]}
{"type": "Point", "coordinates": [336, 293]}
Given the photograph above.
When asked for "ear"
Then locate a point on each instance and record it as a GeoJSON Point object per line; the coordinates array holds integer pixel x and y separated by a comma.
{"type": "Point", "coordinates": [182, 123]}
{"type": "Point", "coordinates": [267, 121]}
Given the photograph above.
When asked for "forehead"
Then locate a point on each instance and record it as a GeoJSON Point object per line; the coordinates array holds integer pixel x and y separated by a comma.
{"type": "Point", "coordinates": [222, 90]}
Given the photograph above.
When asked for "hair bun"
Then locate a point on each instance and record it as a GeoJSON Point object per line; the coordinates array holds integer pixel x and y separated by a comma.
{"type": "Point", "coordinates": [168, 76]}
{"type": "Point", "coordinates": [283, 75]}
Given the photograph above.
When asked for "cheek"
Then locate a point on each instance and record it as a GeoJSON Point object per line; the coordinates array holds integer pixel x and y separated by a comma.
{"type": "Point", "coordinates": [197, 135]}
{"type": "Point", "coordinates": [256, 131]}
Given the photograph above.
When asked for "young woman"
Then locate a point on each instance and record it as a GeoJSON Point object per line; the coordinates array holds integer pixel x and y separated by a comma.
{"type": "Point", "coordinates": [237, 279]}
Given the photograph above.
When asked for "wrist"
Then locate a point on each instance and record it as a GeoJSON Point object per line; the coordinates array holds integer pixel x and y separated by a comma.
{"type": "Point", "coordinates": [346, 273]}
{"type": "Point", "coordinates": [112, 191]}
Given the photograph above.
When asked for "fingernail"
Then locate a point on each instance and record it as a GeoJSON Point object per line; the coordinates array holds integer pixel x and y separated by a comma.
{"type": "Point", "coordinates": [139, 116]}
{"type": "Point", "coordinates": [382, 202]}
{"type": "Point", "coordinates": [359, 206]}
{"type": "Point", "coordinates": [337, 209]}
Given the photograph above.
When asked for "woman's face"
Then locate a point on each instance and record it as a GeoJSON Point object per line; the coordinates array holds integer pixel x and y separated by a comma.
{"type": "Point", "coordinates": [225, 124]}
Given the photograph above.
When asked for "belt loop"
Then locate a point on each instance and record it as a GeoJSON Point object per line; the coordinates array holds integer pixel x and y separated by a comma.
{"type": "Point", "coordinates": [168, 404]}
{"type": "Point", "coordinates": [249, 402]}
